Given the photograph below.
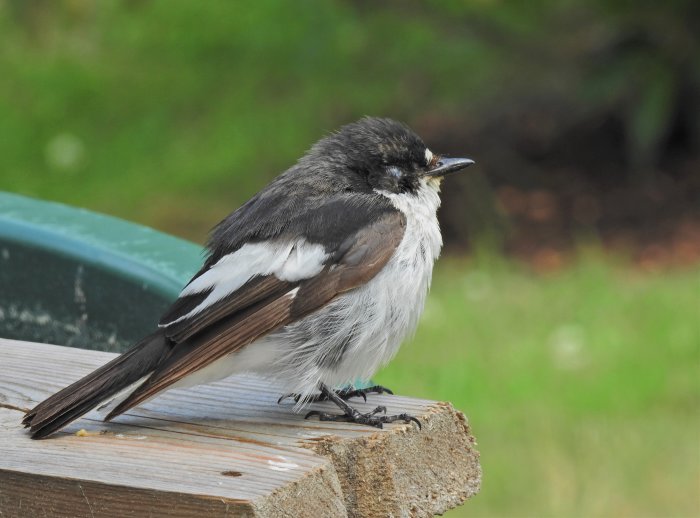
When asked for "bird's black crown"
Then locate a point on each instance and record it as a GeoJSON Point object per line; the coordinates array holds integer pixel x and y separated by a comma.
{"type": "Point", "coordinates": [384, 154]}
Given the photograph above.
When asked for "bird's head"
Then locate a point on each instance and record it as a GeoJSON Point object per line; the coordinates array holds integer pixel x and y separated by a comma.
{"type": "Point", "coordinates": [385, 155]}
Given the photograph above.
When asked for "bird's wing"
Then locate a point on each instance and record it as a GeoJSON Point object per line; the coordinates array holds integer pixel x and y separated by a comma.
{"type": "Point", "coordinates": [274, 256]}
{"type": "Point", "coordinates": [244, 298]}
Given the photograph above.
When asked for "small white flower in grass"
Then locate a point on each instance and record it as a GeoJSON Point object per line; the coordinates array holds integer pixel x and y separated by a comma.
{"type": "Point", "coordinates": [568, 346]}
{"type": "Point", "coordinates": [65, 152]}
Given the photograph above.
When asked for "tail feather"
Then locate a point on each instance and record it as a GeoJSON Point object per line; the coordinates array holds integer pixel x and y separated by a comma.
{"type": "Point", "coordinates": [85, 394]}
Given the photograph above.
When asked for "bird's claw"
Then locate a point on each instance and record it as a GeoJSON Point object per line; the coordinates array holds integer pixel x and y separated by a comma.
{"type": "Point", "coordinates": [347, 393]}
{"type": "Point", "coordinates": [369, 418]}
{"type": "Point", "coordinates": [295, 397]}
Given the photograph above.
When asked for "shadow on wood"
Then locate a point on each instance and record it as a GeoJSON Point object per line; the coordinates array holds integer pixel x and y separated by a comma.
{"type": "Point", "coordinates": [222, 449]}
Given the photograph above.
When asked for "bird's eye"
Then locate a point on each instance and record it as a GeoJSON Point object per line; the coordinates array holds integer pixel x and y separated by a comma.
{"type": "Point", "coordinates": [393, 171]}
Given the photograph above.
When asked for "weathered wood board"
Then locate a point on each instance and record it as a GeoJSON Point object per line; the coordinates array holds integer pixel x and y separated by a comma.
{"type": "Point", "coordinates": [226, 449]}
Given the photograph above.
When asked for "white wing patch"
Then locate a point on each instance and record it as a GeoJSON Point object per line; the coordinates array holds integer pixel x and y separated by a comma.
{"type": "Point", "coordinates": [303, 261]}
{"type": "Point", "coordinates": [290, 261]}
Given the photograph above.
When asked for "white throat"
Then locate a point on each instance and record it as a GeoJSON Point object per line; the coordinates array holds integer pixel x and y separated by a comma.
{"type": "Point", "coordinates": [420, 209]}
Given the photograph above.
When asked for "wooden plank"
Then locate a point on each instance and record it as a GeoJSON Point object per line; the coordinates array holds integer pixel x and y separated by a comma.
{"type": "Point", "coordinates": [222, 449]}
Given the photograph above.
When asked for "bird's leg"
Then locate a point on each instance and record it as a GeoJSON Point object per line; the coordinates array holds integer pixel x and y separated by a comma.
{"type": "Point", "coordinates": [345, 394]}
{"type": "Point", "coordinates": [352, 415]}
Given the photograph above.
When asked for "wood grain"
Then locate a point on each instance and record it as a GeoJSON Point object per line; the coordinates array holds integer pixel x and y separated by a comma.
{"type": "Point", "coordinates": [226, 449]}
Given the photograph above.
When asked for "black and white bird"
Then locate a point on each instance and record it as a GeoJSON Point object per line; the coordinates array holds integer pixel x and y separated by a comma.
{"type": "Point", "coordinates": [314, 282]}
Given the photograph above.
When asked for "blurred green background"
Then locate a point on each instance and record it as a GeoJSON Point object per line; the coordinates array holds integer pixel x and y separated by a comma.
{"type": "Point", "coordinates": [564, 317]}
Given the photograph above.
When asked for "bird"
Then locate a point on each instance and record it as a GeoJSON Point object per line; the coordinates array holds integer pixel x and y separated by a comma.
{"type": "Point", "coordinates": [314, 283]}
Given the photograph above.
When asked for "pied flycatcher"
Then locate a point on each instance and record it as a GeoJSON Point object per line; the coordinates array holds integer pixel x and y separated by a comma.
{"type": "Point", "coordinates": [314, 282]}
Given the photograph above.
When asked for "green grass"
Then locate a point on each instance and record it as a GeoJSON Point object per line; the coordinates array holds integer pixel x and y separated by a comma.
{"type": "Point", "coordinates": [582, 386]}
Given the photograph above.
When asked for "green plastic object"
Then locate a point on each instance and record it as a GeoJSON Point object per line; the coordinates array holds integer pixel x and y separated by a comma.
{"type": "Point", "coordinates": [74, 277]}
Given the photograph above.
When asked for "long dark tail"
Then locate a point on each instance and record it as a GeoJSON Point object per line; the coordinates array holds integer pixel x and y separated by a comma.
{"type": "Point", "coordinates": [85, 394]}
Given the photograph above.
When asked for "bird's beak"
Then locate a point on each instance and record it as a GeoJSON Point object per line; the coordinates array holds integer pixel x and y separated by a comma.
{"type": "Point", "coordinates": [446, 166]}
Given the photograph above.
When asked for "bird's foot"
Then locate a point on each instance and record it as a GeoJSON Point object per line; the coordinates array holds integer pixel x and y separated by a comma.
{"type": "Point", "coordinates": [343, 394]}
{"type": "Point", "coordinates": [370, 418]}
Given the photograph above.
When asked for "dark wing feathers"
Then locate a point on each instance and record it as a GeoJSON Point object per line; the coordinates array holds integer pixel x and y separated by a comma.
{"type": "Point", "coordinates": [274, 214]}
{"type": "Point", "coordinates": [85, 394]}
{"type": "Point", "coordinates": [222, 338]}
{"type": "Point", "coordinates": [256, 289]}
{"type": "Point", "coordinates": [365, 255]}
{"type": "Point", "coordinates": [183, 305]}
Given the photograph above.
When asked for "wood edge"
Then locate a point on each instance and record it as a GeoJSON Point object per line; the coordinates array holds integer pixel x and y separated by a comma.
{"type": "Point", "coordinates": [26, 494]}
{"type": "Point", "coordinates": [406, 471]}
{"type": "Point", "coordinates": [317, 494]}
